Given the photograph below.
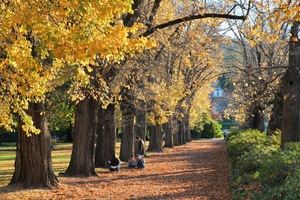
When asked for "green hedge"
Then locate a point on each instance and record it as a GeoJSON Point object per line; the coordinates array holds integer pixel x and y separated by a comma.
{"type": "Point", "coordinates": [260, 169]}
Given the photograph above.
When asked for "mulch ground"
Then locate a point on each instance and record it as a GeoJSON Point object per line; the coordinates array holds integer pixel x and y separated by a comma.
{"type": "Point", "coordinates": [196, 170]}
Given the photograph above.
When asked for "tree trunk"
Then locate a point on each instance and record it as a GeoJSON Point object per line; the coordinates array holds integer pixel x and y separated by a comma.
{"type": "Point", "coordinates": [258, 121]}
{"type": "Point", "coordinates": [127, 131]}
{"type": "Point", "coordinates": [100, 150]}
{"type": "Point", "coordinates": [82, 157]}
{"type": "Point", "coordinates": [291, 87]}
{"type": "Point", "coordinates": [141, 120]}
{"type": "Point", "coordinates": [187, 131]}
{"type": "Point", "coordinates": [169, 142]}
{"type": "Point", "coordinates": [180, 131]}
{"type": "Point", "coordinates": [156, 142]}
{"type": "Point", "coordinates": [140, 126]}
{"type": "Point", "coordinates": [33, 164]}
{"type": "Point", "coordinates": [106, 140]}
{"type": "Point", "coordinates": [182, 127]}
{"type": "Point", "coordinates": [276, 115]}
{"type": "Point", "coordinates": [175, 127]}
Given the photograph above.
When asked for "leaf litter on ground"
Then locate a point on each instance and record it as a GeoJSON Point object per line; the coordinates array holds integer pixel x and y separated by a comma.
{"type": "Point", "coordinates": [195, 170]}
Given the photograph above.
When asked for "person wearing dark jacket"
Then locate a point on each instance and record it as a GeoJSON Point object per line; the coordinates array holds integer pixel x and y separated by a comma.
{"type": "Point", "coordinates": [141, 153]}
{"type": "Point", "coordinates": [115, 163]}
{"type": "Point", "coordinates": [141, 148]}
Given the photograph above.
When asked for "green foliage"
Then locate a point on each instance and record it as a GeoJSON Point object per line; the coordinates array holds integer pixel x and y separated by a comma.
{"type": "Point", "coordinates": [250, 140]}
{"type": "Point", "coordinates": [290, 189]}
{"type": "Point", "coordinates": [232, 132]}
{"type": "Point", "coordinates": [260, 169]}
{"type": "Point", "coordinates": [211, 130]}
{"type": "Point", "coordinates": [61, 109]}
{"type": "Point", "coordinates": [280, 164]}
{"type": "Point", "coordinates": [195, 134]}
{"type": "Point", "coordinates": [208, 127]}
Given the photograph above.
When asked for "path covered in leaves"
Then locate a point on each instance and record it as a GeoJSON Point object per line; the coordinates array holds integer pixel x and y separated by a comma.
{"type": "Point", "coordinates": [196, 170]}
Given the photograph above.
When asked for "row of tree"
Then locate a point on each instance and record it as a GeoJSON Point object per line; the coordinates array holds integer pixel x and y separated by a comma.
{"type": "Point", "coordinates": [100, 49]}
{"type": "Point", "coordinates": [263, 66]}
{"type": "Point", "coordinates": [127, 55]}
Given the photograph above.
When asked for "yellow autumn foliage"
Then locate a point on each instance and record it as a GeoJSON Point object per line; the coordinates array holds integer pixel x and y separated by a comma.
{"type": "Point", "coordinates": [42, 43]}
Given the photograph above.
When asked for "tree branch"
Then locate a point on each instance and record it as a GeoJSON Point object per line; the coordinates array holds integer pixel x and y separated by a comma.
{"type": "Point", "coordinates": [130, 19]}
{"type": "Point", "coordinates": [153, 13]}
{"type": "Point", "coordinates": [190, 18]}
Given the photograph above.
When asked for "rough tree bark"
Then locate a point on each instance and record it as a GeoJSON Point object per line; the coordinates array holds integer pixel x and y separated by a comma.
{"type": "Point", "coordinates": [100, 150]}
{"type": "Point", "coordinates": [169, 142]}
{"type": "Point", "coordinates": [106, 140]}
{"type": "Point", "coordinates": [175, 127]}
{"type": "Point", "coordinates": [82, 157]}
{"type": "Point", "coordinates": [156, 142]}
{"type": "Point", "coordinates": [141, 124]}
{"type": "Point", "coordinates": [127, 142]}
{"type": "Point", "coordinates": [33, 164]}
{"type": "Point", "coordinates": [187, 131]}
{"type": "Point", "coordinates": [291, 91]}
{"type": "Point", "coordinates": [180, 131]}
{"type": "Point", "coordinates": [183, 130]}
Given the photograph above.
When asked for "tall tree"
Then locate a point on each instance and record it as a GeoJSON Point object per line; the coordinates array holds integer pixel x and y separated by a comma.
{"type": "Point", "coordinates": [29, 172]}
{"type": "Point", "coordinates": [83, 163]}
{"type": "Point", "coordinates": [127, 108]}
{"type": "Point", "coordinates": [73, 34]}
{"type": "Point", "coordinates": [156, 142]}
{"type": "Point", "coordinates": [152, 20]}
{"type": "Point", "coordinates": [260, 59]}
{"type": "Point", "coordinates": [291, 87]}
{"type": "Point", "coordinates": [93, 89]}
{"type": "Point", "coordinates": [169, 139]}
{"type": "Point", "coordinates": [106, 136]}
{"type": "Point", "coordinates": [44, 44]}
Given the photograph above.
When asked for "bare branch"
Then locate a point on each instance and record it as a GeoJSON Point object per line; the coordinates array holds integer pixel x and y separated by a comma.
{"type": "Point", "coordinates": [190, 18]}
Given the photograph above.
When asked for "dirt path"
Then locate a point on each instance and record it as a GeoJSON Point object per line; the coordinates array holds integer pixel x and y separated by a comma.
{"type": "Point", "coordinates": [196, 170]}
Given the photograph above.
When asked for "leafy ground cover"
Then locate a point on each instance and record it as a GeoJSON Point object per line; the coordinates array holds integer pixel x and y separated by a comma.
{"type": "Point", "coordinates": [196, 170]}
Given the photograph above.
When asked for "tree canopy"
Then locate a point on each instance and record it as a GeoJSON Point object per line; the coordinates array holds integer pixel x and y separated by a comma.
{"type": "Point", "coordinates": [44, 43]}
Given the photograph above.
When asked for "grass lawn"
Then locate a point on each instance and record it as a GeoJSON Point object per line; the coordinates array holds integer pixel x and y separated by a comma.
{"type": "Point", "coordinates": [7, 160]}
{"type": "Point", "coordinates": [60, 160]}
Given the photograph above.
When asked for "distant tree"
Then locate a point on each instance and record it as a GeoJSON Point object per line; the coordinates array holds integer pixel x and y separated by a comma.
{"type": "Point", "coordinates": [291, 86]}
{"type": "Point", "coordinates": [61, 111]}
{"type": "Point", "coordinates": [260, 59]}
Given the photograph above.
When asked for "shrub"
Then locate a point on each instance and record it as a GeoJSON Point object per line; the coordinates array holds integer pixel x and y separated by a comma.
{"type": "Point", "coordinates": [208, 128]}
{"type": "Point", "coordinates": [261, 170]}
{"type": "Point", "coordinates": [211, 130]}
{"type": "Point", "coordinates": [247, 141]}
{"type": "Point", "coordinates": [280, 164]}
{"type": "Point", "coordinates": [195, 134]}
{"type": "Point", "coordinates": [290, 189]}
{"type": "Point", "coordinates": [232, 132]}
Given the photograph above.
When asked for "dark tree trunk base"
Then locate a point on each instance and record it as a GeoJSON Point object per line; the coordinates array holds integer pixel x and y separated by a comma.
{"type": "Point", "coordinates": [82, 157]}
{"type": "Point", "coordinates": [33, 165]}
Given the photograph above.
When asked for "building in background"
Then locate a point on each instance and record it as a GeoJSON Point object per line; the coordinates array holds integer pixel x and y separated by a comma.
{"type": "Point", "coordinates": [219, 101]}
